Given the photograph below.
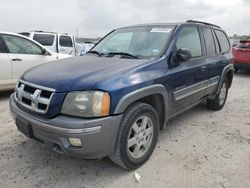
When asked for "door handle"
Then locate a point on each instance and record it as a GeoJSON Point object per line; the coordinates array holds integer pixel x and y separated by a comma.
{"type": "Point", "coordinates": [16, 59]}
{"type": "Point", "coordinates": [203, 68]}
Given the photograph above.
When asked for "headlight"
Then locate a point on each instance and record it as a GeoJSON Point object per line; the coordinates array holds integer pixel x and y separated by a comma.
{"type": "Point", "coordinates": [86, 104]}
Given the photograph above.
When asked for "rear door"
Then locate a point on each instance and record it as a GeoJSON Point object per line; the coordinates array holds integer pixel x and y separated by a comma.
{"type": "Point", "coordinates": [218, 61]}
{"type": "Point", "coordinates": [24, 54]}
{"type": "Point", "coordinates": [212, 59]}
{"type": "Point", "coordinates": [6, 69]}
{"type": "Point", "coordinates": [188, 80]}
{"type": "Point", "coordinates": [66, 44]}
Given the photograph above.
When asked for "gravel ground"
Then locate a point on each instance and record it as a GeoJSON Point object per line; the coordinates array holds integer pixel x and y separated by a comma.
{"type": "Point", "coordinates": [199, 148]}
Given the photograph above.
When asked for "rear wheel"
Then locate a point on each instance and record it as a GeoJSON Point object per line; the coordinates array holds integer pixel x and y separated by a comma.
{"type": "Point", "coordinates": [137, 136]}
{"type": "Point", "coordinates": [219, 101]}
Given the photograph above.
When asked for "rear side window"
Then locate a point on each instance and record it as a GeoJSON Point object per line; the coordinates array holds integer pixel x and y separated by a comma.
{"type": "Point", "coordinates": [224, 43]}
{"type": "Point", "coordinates": [209, 41]}
{"type": "Point", "coordinates": [217, 47]}
{"type": "Point", "coordinates": [65, 41]}
{"type": "Point", "coordinates": [44, 39]}
{"type": "Point", "coordinates": [189, 39]}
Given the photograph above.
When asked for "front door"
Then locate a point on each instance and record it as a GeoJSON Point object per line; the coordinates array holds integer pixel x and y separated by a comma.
{"type": "Point", "coordinates": [6, 69]}
{"type": "Point", "coordinates": [188, 79]}
{"type": "Point", "coordinates": [23, 54]}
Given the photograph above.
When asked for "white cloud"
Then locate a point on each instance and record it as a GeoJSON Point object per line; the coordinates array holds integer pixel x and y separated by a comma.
{"type": "Point", "coordinates": [97, 17]}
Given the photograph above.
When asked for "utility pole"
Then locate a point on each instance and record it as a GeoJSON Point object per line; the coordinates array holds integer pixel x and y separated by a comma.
{"type": "Point", "coordinates": [76, 33]}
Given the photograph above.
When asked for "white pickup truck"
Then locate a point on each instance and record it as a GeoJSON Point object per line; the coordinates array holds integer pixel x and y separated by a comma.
{"type": "Point", "coordinates": [19, 53]}
{"type": "Point", "coordinates": [56, 42]}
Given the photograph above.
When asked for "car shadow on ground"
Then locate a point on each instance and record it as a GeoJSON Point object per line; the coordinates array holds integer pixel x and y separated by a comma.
{"type": "Point", "coordinates": [242, 73]}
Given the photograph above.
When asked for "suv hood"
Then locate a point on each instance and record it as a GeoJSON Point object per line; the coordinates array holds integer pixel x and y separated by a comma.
{"type": "Point", "coordinates": [79, 73]}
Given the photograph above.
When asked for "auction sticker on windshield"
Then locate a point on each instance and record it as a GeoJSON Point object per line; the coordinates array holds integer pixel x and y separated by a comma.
{"type": "Point", "coordinates": [161, 30]}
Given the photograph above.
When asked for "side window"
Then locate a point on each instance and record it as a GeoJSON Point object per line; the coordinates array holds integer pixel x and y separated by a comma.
{"type": "Point", "coordinates": [224, 44]}
{"type": "Point", "coordinates": [18, 45]}
{"type": "Point", "coordinates": [217, 47]}
{"type": "Point", "coordinates": [189, 39]}
{"type": "Point", "coordinates": [65, 41]}
{"type": "Point", "coordinates": [44, 39]}
{"type": "Point", "coordinates": [209, 41]}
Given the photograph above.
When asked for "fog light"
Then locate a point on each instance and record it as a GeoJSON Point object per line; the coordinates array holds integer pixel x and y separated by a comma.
{"type": "Point", "coordinates": [75, 142]}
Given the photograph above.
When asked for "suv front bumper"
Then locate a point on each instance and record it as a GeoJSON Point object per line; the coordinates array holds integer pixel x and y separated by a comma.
{"type": "Point", "coordinates": [98, 136]}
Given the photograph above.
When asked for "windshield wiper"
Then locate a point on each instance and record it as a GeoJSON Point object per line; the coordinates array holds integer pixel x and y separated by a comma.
{"type": "Point", "coordinates": [95, 52]}
{"type": "Point", "coordinates": [123, 54]}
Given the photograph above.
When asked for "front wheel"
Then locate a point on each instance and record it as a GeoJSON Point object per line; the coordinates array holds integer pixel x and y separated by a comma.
{"type": "Point", "coordinates": [220, 99]}
{"type": "Point", "coordinates": [137, 136]}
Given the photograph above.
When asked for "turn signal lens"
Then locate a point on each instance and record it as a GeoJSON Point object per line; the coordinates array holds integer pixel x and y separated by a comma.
{"type": "Point", "coordinates": [105, 104]}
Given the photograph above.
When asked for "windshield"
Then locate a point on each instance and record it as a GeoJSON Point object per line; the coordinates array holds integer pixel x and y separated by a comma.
{"type": "Point", "coordinates": [139, 42]}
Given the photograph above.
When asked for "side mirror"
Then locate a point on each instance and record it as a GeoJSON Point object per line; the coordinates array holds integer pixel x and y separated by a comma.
{"type": "Point", "coordinates": [182, 55]}
{"type": "Point", "coordinates": [45, 52]}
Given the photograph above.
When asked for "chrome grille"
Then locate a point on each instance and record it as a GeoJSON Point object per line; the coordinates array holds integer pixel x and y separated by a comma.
{"type": "Point", "coordinates": [34, 97]}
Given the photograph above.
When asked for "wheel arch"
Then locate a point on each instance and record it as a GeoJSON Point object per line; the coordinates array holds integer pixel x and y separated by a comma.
{"type": "Point", "coordinates": [154, 95]}
{"type": "Point", "coordinates": [226, 73]}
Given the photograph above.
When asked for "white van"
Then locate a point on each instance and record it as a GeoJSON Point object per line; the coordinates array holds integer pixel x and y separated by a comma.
{"type": "Point", "coordinates": [55, 42]}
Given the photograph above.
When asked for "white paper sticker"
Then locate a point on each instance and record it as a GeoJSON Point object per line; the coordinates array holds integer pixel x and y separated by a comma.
{"type": "Point", "coordinates": [161, 30]}
{"type": "Point", "coordinates": [155, 50]}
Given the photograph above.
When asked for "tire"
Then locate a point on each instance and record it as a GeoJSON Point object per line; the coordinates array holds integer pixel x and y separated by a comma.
{"type": "Point", "coordinates": [219, 101]}
{"type": "Point", "coordinates": [135, 144]}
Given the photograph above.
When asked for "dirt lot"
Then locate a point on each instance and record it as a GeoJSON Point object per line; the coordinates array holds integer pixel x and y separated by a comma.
{"type": "Point", "coordinates": [199, 148]}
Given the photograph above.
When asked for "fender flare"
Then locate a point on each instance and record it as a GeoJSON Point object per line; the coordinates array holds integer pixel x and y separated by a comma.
{"type": "Point", "coordinates": [131, 97]}
{"type": "Point", "coordinates": [226, 69]}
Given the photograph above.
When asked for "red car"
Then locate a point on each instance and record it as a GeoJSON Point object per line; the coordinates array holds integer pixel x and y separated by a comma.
{"type": "Point", "coordinates": [241, 54]}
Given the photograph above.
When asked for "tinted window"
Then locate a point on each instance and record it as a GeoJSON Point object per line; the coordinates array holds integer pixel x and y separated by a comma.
{"type": "Point", "coordinates": [189, 39]}
{"type": "Point", "coordinates": [217, 47]}
{"type": "Point", "coordinates": [65, 41]}
{"type": "Point", "coordinates": [18, 45]}
{"type": "Point", "coordinates": [44, 39]}
{"type": "Point", "coordinates": [224, 44]}
{"type": "Point", "coordinates": [209, 41]}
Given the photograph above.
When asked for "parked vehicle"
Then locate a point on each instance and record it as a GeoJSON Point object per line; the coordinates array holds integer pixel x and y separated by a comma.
{"type": "Point", "coordinates": [83, 48]}
{"type": "Point", "coordinates": [241, 54]}
{"type": "Point", "coordinates": [56, 42]}
{"type": "Point", "coordinates": [114, 100]}
{"type": "Point", "coordinates": [19, 53]}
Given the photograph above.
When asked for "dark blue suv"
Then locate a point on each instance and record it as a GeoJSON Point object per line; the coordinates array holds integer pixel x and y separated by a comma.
{"type": "Point", "coordinates": [114, 100]}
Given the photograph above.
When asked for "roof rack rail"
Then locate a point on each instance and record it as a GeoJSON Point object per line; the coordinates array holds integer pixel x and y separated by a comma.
{"type": "Point", "coordinates": [205, 23]}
